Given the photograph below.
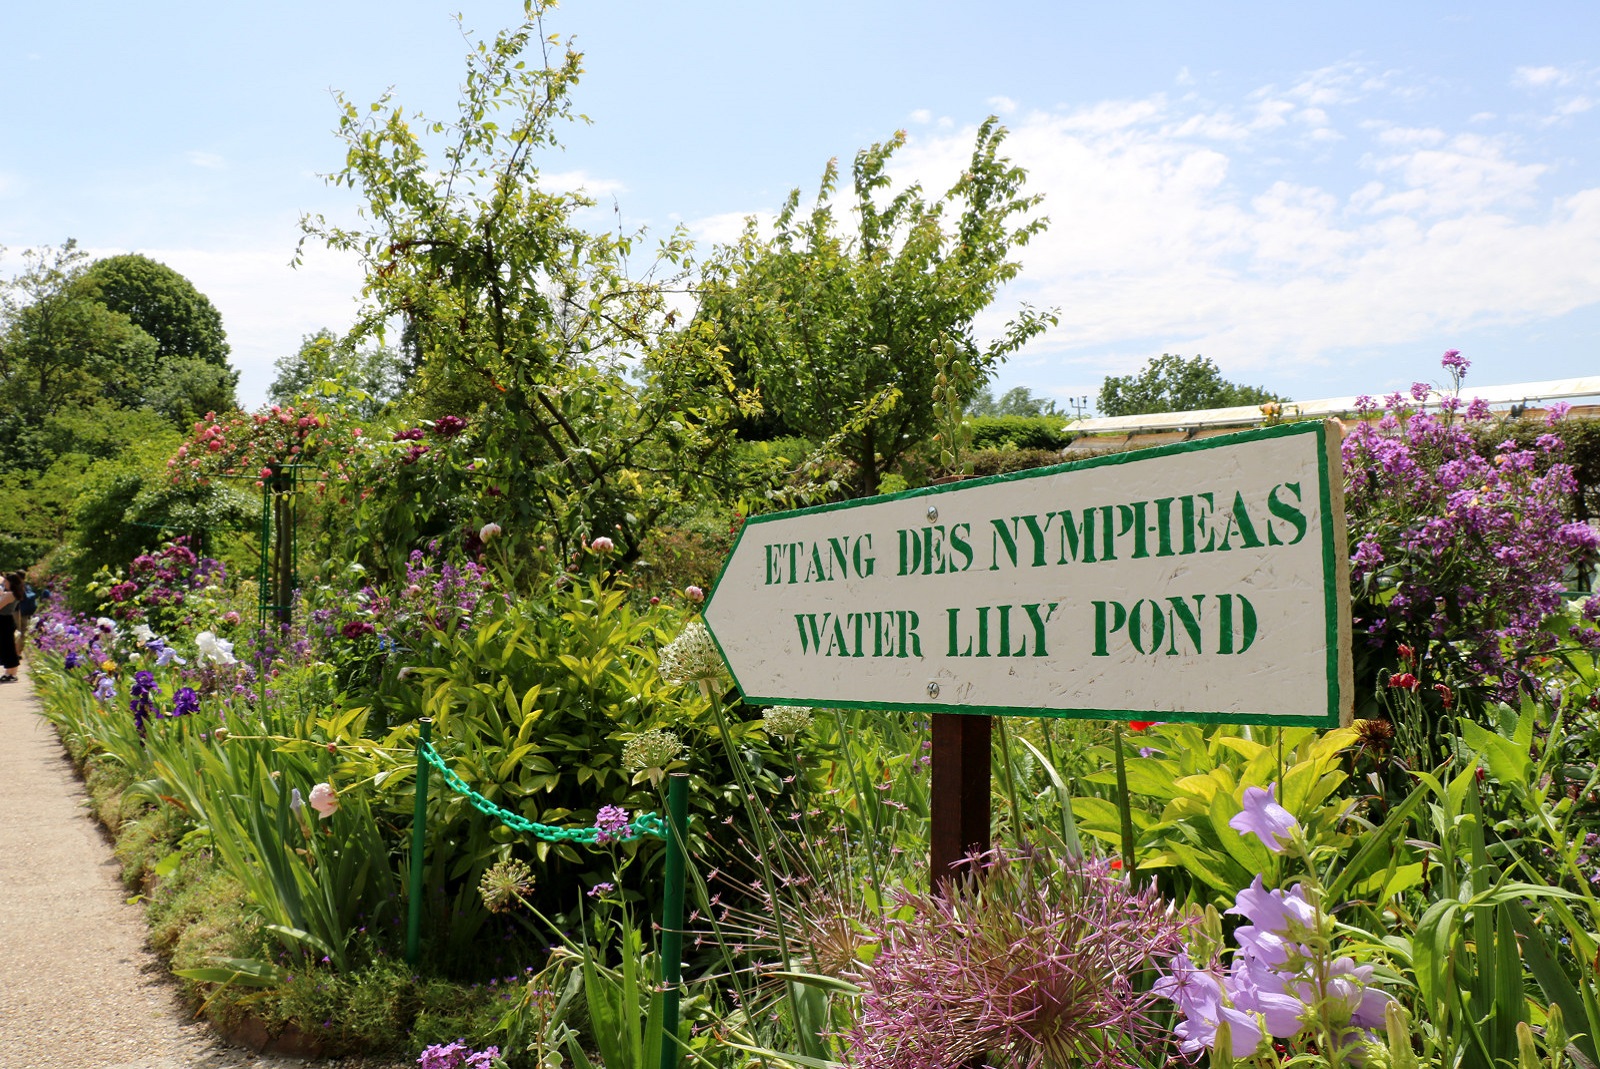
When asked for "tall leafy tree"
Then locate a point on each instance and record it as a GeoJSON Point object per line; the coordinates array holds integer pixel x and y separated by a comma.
{"type": "Point", "coordinates": [594, 411]}
{"type": "Point", "coordinates": [843, 326]}
{"type": "Point", "coordinates": [192, 374]}
{"type": "Point", "coordinates": [1172, 383]}
{"type": "Point", "coordinates": [61, 350]}
{"type": "Point", "coordinates": [164, 304]}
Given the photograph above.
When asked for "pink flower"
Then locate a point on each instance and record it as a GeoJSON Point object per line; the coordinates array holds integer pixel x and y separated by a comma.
{"type": "Point", "coordinates": [325, 800]}
{"type": "Point", "coordinates": [602, 545]}
{"type": "Point", "coordinates": [694, 594]}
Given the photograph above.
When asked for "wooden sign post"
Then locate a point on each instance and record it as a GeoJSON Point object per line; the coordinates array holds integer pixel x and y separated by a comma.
{"type": "Point", "coordinates": [1204, 581]}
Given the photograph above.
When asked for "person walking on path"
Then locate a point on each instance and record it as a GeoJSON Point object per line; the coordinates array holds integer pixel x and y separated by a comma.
{"type": "Point", "coordinates": [11, 588]}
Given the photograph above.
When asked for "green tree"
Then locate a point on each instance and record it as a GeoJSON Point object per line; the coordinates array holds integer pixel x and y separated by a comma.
{"type": "Point", "coordinates": [1172, 383]}
{"type": "Point", "coordinates": [1017, 401]}
{"type": "Point", "coordinates": [593, 414]}
{"type": "Point", "coordinates": [843, 332]}
{"type": "Point", "coordinates": [362, 380]}
{"type": "Point", "coordinates": [61, 350]}
{"type": "Point", "coordinates": [191, 376]}
{"type": "Point", "coordinates": [163, 303]}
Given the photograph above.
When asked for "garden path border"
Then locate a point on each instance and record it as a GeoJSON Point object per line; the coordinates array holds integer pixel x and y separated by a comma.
{"type": "Point", "coordinates": [78, 985]}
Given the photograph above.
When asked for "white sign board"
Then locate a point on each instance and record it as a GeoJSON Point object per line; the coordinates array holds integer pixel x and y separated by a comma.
{"type": "Point", "coordinates": [1204, 581]}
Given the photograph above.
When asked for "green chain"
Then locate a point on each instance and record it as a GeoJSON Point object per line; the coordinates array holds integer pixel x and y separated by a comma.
{"type": "Point", "coordinates": [641, 825]}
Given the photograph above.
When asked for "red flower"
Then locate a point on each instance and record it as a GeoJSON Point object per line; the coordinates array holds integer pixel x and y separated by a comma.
{"type": "Point", "coordinates": [1140, 725]}
{"type": "Point", "coordinates": [1407, 654]}
{"type": "Point", "coordinates": [1404, 679]}
{"type": "Point", "coordinates": [1446, 695]}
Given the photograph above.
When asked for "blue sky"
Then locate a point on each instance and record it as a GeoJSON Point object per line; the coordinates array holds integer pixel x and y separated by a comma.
{"type": "Point", "coordinates": [1319, 200]}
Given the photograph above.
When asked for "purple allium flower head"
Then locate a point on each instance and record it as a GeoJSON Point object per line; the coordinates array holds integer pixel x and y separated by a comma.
{"type": "Point", "coordinates": [1264, 818]}
{"type": "Point", "coordinates": [611, 823]}
{"type": "Point", "coordinates": [1026, 957]}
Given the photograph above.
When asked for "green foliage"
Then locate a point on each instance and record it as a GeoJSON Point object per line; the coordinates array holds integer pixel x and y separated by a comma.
{"type": "Point", "coordinates": [842, 332]}
{"type": "Point", "coordinates": [361, 380]}
{"type": "Point", "coordinates": [1019, 432]}
{"type": "Point", "coordinates": [1193, 783]}
{"type": "Point", "coordinates": [1172, 383]}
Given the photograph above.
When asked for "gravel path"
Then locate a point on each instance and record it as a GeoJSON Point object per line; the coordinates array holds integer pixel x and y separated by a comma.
{"type": "Point", "coordinates": [78, 987]}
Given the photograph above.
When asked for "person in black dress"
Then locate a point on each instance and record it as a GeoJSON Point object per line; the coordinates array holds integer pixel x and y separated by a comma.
{"type": "Point", "coordinates": [10, 614]}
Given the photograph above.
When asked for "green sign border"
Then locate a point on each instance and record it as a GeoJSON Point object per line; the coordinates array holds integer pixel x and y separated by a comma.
{"type": "Point", "coordinates": [1335, 573]}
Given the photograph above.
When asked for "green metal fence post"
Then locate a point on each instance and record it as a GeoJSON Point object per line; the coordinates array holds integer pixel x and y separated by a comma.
{"type": "Point", "coordinates": [419, 822]}
{"type": "Point", "coordinates": [672, 917]}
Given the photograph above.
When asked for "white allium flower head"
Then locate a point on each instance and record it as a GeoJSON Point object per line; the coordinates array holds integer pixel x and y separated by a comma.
{"type": "Point", "coordinates": [650, 752]}
{"type": "Point", "coordinates": [787, 721]}
{"type": "Point", "coordinates": [692, 657]}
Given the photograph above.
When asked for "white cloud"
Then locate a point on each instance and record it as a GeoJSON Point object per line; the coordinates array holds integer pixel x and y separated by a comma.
{"type": "Point", "coordinates": [1540, 77]}
{"type": "Point", "coordinates": [922, 116]}
{"type": "Point", "coordinates": [580, 181]}
{"type": "Point", "coordinates": [1159, 242]}
{"type": "Point", "coordinates": [209, 160]}
{"type": "Point", "coordinates": [726, 226]}
{"type": "Point", "coordinates": [1002, 105]}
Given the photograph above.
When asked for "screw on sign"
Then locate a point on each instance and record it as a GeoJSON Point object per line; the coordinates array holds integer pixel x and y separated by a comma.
{"type": "Point", "coordinates": [1204, 581]}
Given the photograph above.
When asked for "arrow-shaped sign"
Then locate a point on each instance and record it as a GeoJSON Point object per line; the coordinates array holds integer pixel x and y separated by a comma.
{"type": "Point", "coordinates": [1207, 580]}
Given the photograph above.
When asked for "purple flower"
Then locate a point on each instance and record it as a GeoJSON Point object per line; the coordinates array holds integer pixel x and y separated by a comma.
{"type": "Point", "coordinates": [603, 888]}
{"type": "Point", "coordinates": [1478, 409]}
{"type": "Point", "coordinates": [105, 690]}
{"type": "Point", "coordinates": [70, 661]}
{"type": "Point", "coordinates": [1265, 818]}
{"type": "Point", "coordinates": [1025, 956]}
{"type": "Point", "coordinates": [611, 823]}
{"type": "Point", "coordinates": [1455, 363]}
{"type": "Point", "coordinates": [184, 702]}
{"type": "Point", "coordinates": [1556, 413]}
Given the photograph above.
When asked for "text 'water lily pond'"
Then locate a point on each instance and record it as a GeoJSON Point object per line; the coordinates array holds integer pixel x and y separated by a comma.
{"type": "Point", "coordinates": [1201, 581]}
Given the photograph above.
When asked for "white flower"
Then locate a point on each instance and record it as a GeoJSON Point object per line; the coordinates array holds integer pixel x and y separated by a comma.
{"type": "Point", "coordinates": [108, 625]}
{"type": "Point", "coordinates": [787, 721]}
{"type": "Point", "coordinates": [212, 648]}
{"type": "Point", "coordinates": [143, 634]}
{"type": "Point", "coordinates": [488, 531]}
{"type": "Point", "coordinates": [692, 657]}
{"type": "Point", "coordinates": [649, 754]}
